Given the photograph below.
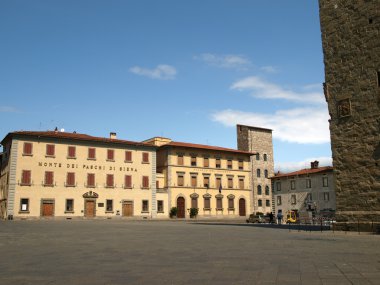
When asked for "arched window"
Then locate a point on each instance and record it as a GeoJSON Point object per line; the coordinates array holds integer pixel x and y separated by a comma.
{"type": "Point", "coordinates": [265, 157]}
{"type": "Point", "coordinates": [259, 192]}
{"type": "Point", "coordinates": [267, 190]}
{"type": "Point", "coordinates": [266, 173]}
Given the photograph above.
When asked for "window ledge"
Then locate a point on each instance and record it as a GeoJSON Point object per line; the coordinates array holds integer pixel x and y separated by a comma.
{"type": "Point", "coordinates": [231, 209]}
{"type": "Point", "coordinates": [219, 209]}
{"type": "Point", "coordinates": [206, 209]}
{"type": "Point", "coordinates": [109, 186]}
{"type": "Point", "coordinates": [110, 212]}
{"type": "Point", "coordinates": [144, 212]}
{"type": "Point", "coordinates": [160, 212]}
{"type": "Point", "coordinates": [25, 184]}
{"type": "Point", "coordinates": [145, 188]}
{"type": "Point", "coordinates": [69, 157]}
{"type": "Point", "coordinates": [69, 212]}
{"type": "Point", "coordinates": [128, 161]}
{"type": "Point", "coordinates": [48, 185]}
{"type": "Point", "coordinates": [23, 212]}
{"type": "Point", "coordinates": [145, 162]}
{"type": "Point", "coordinates": [27, 154]}
{"type": "Point", "coordinates": [51, 156]}
{"type": "Point", "coordinates": [127, 187]}
{"type": "Point", "coordinates": [91, 158]}
{"type": "Point", "coordinates": [111, 160]}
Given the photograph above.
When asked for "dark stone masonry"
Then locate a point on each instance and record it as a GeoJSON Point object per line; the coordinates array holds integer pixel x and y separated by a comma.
{"type": "Point", "coordinates": [351, 48]}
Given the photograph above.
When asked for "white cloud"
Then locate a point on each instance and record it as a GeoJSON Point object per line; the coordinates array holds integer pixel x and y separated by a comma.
{"type": "Point", "coordinates": [286, 167]}
{"type": "Point", "coordinates": [265, 90]}
{"type": "Point", "coordinates": [8, 109]}
{"type": "Point", "coordinates": [299, 125]}
{"type": "Point", "coordinates": [224, 61]}
{"type": "Point", "coordinates": [269, 69]}
{"type": "Point", "coordinates": [162, 71]}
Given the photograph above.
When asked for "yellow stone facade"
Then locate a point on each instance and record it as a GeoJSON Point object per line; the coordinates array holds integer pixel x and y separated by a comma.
{"type": "Point", "coordinates": [68, 175]}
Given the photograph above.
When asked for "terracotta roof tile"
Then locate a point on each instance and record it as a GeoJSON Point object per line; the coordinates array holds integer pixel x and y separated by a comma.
{"type": "Point", "coordinates": [74, 136]}
{"type": "Point", "coordinates": [304, 172]}
{"type": "Point", "coordinates": [206, 147]}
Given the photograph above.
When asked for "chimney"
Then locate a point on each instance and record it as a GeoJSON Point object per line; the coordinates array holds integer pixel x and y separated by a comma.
{"type": "Point", "coordinates": [314, 164]}
{"type": "Point", "coordinates": [112, 136]}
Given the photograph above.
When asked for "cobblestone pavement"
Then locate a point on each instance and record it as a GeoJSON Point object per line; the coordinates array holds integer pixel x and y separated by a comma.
{"type": "Point", "coordinates": [163, 252]}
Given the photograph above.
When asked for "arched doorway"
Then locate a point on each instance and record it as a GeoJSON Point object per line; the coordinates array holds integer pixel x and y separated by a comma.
{"type": "Point", "coordinates": [242, 207]}
{"type": "Point", "coordinates": [180, 207]}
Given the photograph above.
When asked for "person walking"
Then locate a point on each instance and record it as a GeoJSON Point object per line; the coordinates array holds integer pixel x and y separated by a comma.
{"type": "Point", "coordinates": [279, 217]}
{"type": "Point", "coordinates": [271, 218]}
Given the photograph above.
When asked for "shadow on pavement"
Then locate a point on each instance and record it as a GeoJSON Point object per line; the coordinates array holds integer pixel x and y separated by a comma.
{"type": "Point", "coordinates": [308, 228]}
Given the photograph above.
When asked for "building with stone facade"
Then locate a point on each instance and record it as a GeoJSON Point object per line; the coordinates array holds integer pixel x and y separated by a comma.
{"type": "Point", "coordinates": [351, 49]}
{"type": "Point", "coordinates": [214, 180]}
{"type": "Point", "coordinates": [259, 140]}
{"type": "Point", "coordinates": [60, 174]}
{"type": "Point", "coordinates": [309, 192]}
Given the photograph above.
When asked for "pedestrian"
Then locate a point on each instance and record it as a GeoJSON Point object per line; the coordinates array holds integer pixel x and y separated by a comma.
{"type": "Point", "coordinates": [271, 218]}
{"type": "Point", "coordinates": [279, 217]}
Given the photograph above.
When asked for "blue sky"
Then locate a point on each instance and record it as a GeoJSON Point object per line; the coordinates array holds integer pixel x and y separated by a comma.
{"type": "Point", "coordinates": [188, 70]}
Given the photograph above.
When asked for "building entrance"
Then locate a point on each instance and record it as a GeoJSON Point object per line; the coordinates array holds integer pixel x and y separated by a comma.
{"type": "Point", "coordinates": [89, 208]}
{"type": "Point", "coordinates": [128, 209]}
{"type": "Point", "coordinates": [242, 207]}
{"type": "Point", "coordinates": [181, 207]}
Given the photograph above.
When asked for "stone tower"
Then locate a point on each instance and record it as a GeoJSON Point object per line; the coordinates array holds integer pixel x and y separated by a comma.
{"type": "Point", "coordinates": [259, 140]}
{"type": "Point", "coordinates": [351, 48]}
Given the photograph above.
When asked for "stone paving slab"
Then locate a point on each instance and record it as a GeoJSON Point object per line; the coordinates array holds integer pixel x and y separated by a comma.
{"type": "Point", "coordinates": [145, 252]}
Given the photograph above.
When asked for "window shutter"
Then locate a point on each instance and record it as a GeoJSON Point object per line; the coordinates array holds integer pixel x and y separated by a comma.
{"type": "Point", "coordinates": [70, 179]}
{"type": "Point", "coordinates": [145, 157]}
{"type": "Point", "coordinates": [71, 151]}
{"type": "Point", "coordinates": [25, 177]}
{"type": "Point", "coordinates": [91, 153]}
{"type": "Point", "coordinates": [128, 181]}
{"type": "Point", "coordinates": [28, 148]}
{"type": "Point", "coordinates": [128, 156]}
{"type": "Point", "coordinates": [90, 180]}
{"type": "Point", "coordinates": [110, 180]}
{"type": "Point", "coordinates": [110, 154]}
{"type": "Point", "coordinates": [49, 176]}
{"type": "Point", "coordinates": [145, 181]}
{"type": "Point", "coordinates": [50, 149]}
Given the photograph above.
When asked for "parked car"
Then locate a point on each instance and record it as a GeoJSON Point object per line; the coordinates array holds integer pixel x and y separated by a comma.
{"type": "Point", "coordinates": [253, 218]}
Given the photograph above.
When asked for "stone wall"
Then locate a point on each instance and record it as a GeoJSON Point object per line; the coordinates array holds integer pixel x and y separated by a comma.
{"type": "Point", "coordinates": [351, 46]}
{"type": "Point", "coordinates": [258, 140]}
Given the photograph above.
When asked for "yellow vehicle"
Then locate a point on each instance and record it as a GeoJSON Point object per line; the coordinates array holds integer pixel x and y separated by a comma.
{"type": "Point", "coordinates": [292, 217]}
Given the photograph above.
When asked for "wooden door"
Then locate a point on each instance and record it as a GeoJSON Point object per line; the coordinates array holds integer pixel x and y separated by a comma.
{"type": "Point", "coordinates": [181, 207]}
{"type": "Point", "coordinates": [128, 209]}
{"type": "Point", "coordinates": [47, 209]}
{"type": "Point", "coordinates": [90, 209]}
{"type": "Point", "coordinates": [242, 207]}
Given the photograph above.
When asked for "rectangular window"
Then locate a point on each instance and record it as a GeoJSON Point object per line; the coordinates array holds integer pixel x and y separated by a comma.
{"type": "Point", "coordinates": [241, 183]}
{"type": "Point", "coordinates": [219, 204]}
{"type": "Point", "coordinates": [128, 156]}
{"type": "Point", "coordinates": [180, 180]}
{"type": "Point", "coordinates": [292, 184]}
{"type": "Point", "coordinates": [28, 149]}
{"type": "Point", "coordinates": [267, 203]}
{"type": "Point", "coordinates": [229, 164]}
{"type": "Point", "coordinates": [308, 183]}
{"type": "Point", "coordinates": [206, 181]}
{"type": "Point", "coordinates": [218, 182]}
{"type": "Point", "coordinates": [293, 199]}
{"type": "Point", "coordinates": [194, 202]}
{"type": "Point", "coordinates": [128, 181]}
{"type": "Point", "coordinates": [26, 178]}
{"type": "Point", "coordinates": [160, 206]}
{"type": "Point", "coordinates": [326, 196]}
{"type": "Point", "coordinates": [193, 161]}
{"type": "Point", "coordinates": [110, 154]}
{"type": "Point", "coordinates": [90, 180]}
{"type": "Point", "coordinates": [206, 162]}
{"type": "Point", "coordinates": [241, 164]}
{"type": "Point", "coordinates": [258, 172]}
{"type": "Point", "coordinates": [70, 179]}
{"type": "Point", "coordinates": [109, 205]}
{"type": "Point", "coordinates": [109, 181]}
{"type": "Point", "coordinates": [71, 152]}
{"type": "Point", "coordinates": [49, 178]}
{"type": "Point", "coordinates": [145, 182]}
{"type": "Point", "coordinates": [278, 186]}
{"type": "Point", "coordinates": [279, 202]}
{"type": "Point", "coordinates": [260, 203]}
{"type": "Point", "coordinates": [69, 207]}
{"type": "Point", "coordinates": [218, 163]}
{"type": "Point", "coordinates": [206, 203]}
{"type": "Point", "coordinates": [145, 157]}
{"type": "Point", "coordinates": [265, 157]}
{"type": "Point", "coordinates": [231, 204]}
{"type": "Point", "coordinates": [325, 181]}
{"type": "Point", "coordinates": [24, 205]}
{"type": "Point", "coordinates": [257, 156]}
{"type": "Point", "coordinates": [180, 159]}
{"type": "Point", "coordinates": [230, 182]}
{"type": "Point", "coordinates": [50, 150]}
{"type": "Point", "coordinates": [194, 181]}
{"type": "Point", "coordinates": [145, 205]}
{"type": "Point", "coordinates": [91, 153]}
{"type": "Point", "coordinates": [157, 184]}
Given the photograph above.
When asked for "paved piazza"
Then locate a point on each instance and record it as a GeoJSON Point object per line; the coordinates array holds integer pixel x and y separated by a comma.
{"type": "Point", "coordinates": [165, 252]}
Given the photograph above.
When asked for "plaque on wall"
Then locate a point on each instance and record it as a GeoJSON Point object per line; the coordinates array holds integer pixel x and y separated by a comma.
{"type": "Point", "coordinates": [344, 108]}
{"type": "Point", "coordinates": [100, 205]}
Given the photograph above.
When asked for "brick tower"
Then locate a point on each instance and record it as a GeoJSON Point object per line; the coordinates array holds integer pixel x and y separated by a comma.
{"type": "Point", "coordinates": [259, 140]}
{"type": "Point", "coordinates": [351, 48]}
